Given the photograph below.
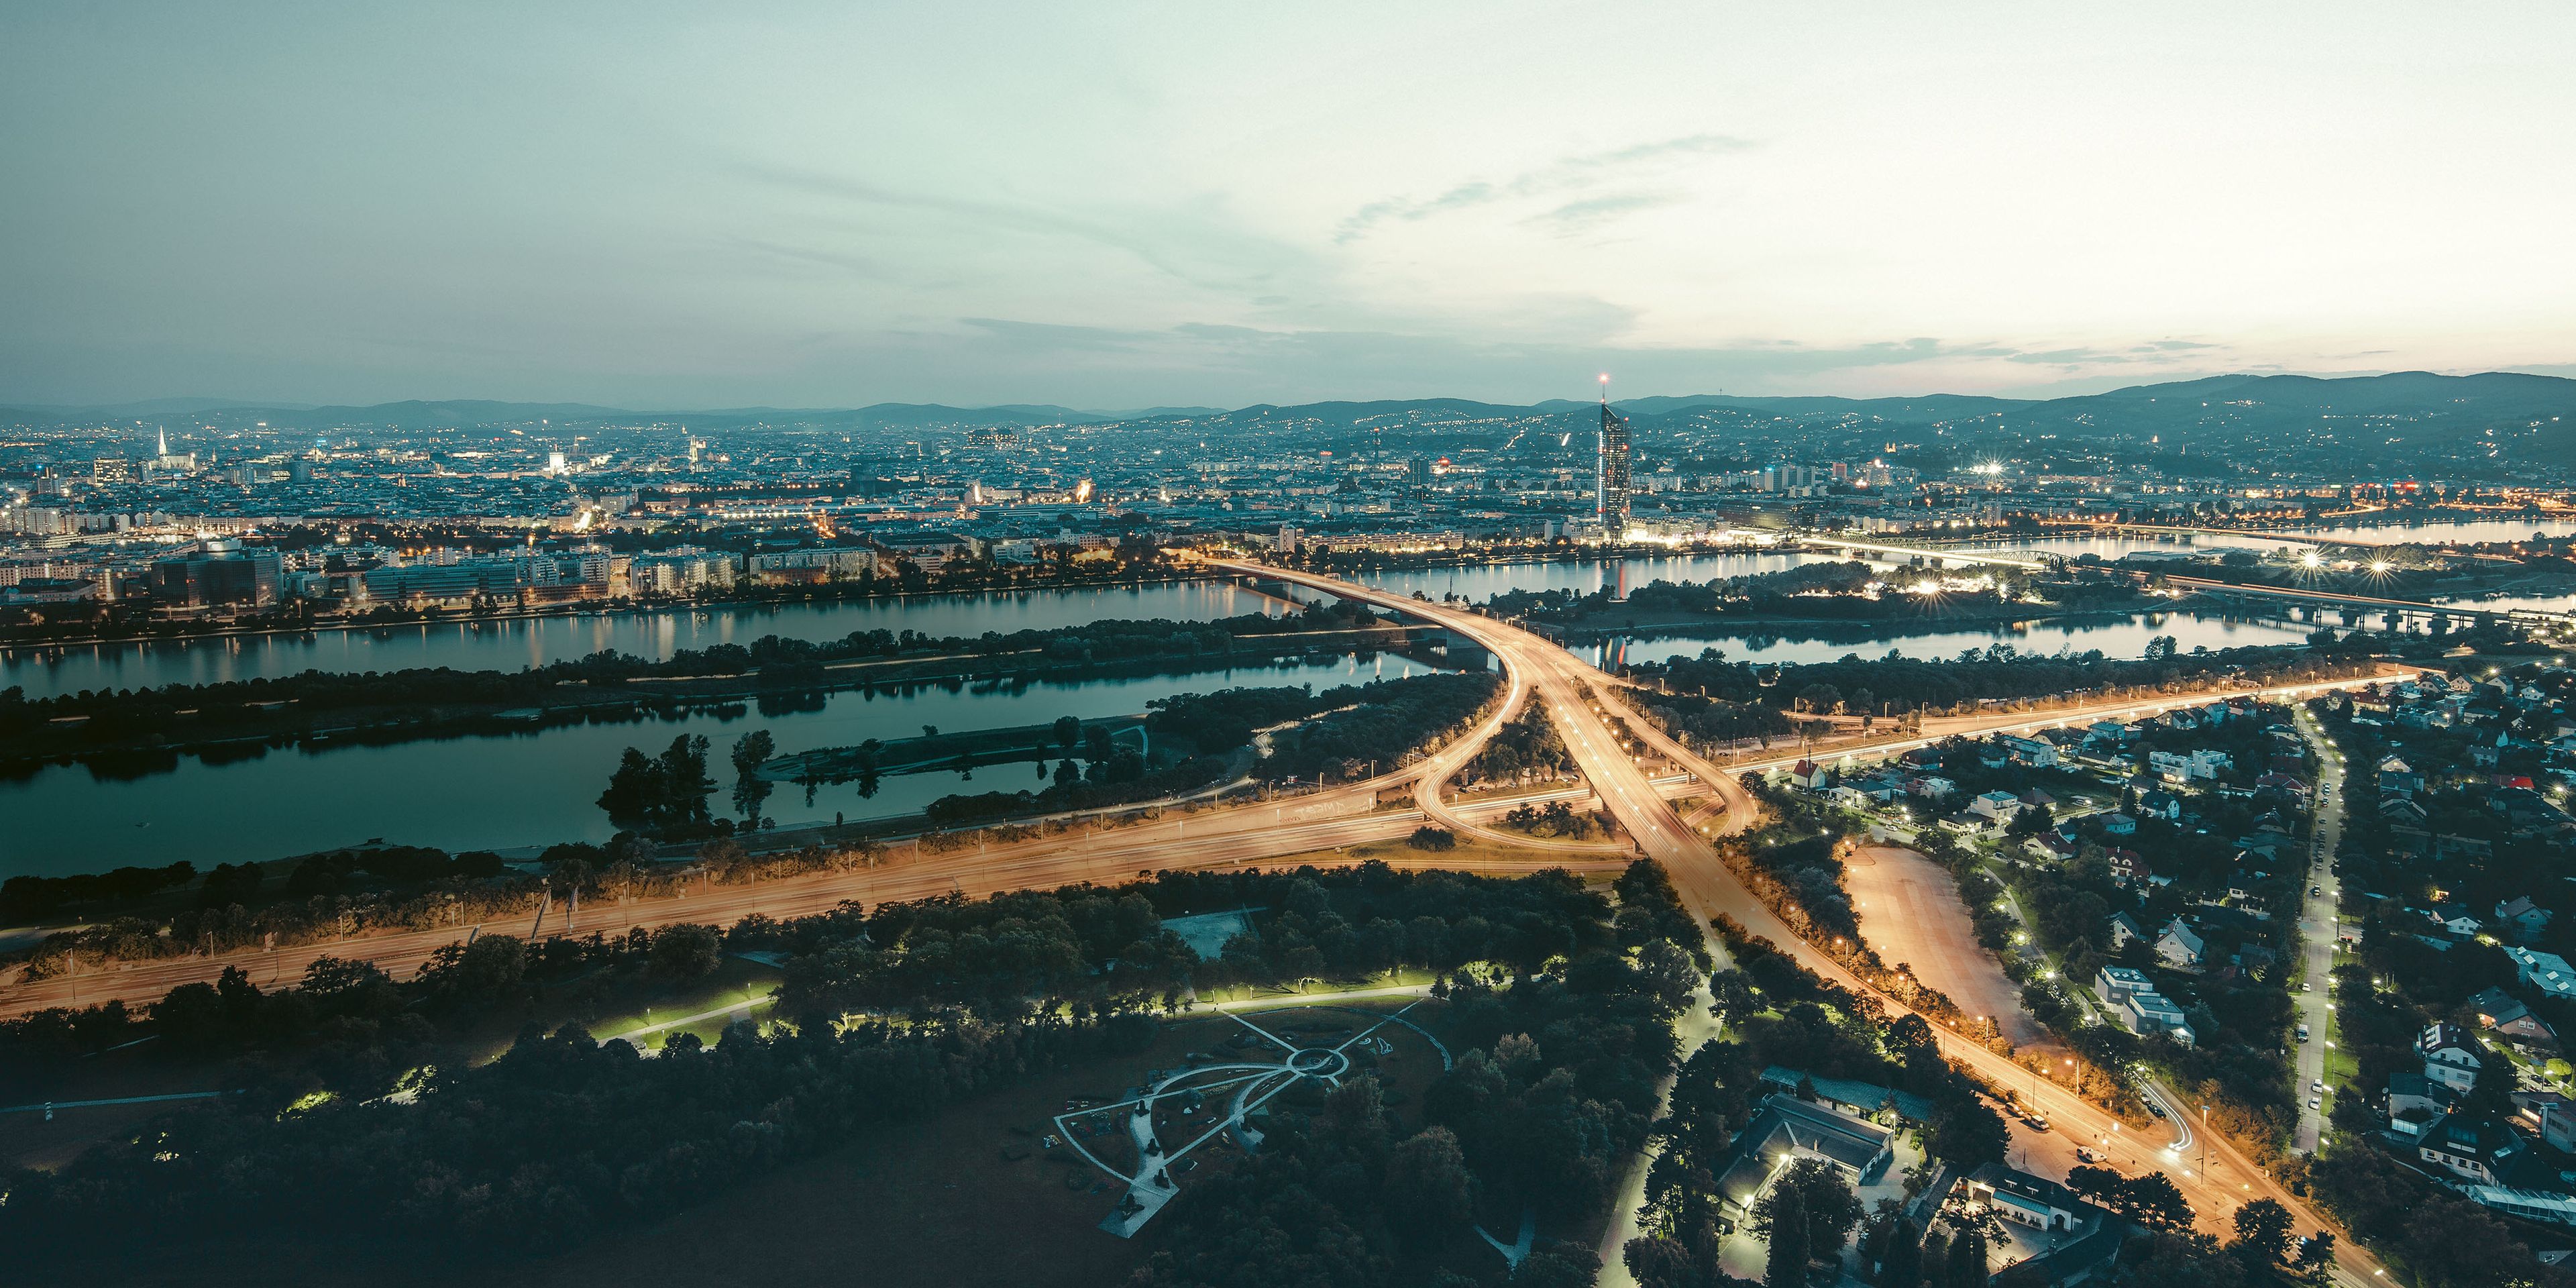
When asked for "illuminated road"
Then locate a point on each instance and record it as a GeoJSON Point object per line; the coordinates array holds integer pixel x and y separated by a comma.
{"type": "Point", "coordinates": [1243, 836]}
{"type": "Point", "coordinates": [1577, 696]}
{"type": "Point", "coordinates": [2318, 917]}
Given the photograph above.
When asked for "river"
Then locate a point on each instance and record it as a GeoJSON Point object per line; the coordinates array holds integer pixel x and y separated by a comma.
{"type": "Point", "coordinates": [2123, 636]}
{"type": "Point", "coordinates": [524, 642]}
{"type": "Point", "coordinates": [539, 786]}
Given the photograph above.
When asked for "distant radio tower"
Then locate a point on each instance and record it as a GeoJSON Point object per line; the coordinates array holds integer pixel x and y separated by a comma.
{"type": "Point", "coordinates": [1610, 470]}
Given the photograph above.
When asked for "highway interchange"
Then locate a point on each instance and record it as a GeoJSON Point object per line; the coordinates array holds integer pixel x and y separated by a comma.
{"type": "Point", "coordinates": [1580, 700]}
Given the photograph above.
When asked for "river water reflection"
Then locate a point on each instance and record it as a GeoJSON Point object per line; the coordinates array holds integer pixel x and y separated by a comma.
{"type": "Point", "coordinates": [540, 786]}
{"type": "Point", "coordinates": [513, 645]}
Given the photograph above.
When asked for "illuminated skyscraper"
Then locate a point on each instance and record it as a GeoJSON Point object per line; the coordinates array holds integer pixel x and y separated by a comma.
{"type": "Point", "coordinates": [1610, 471]}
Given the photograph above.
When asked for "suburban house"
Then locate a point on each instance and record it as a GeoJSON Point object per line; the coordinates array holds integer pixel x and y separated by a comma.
{"type": "Point", "coordinates": [2179, 947]}
{"type": "Point", "coordinates": [2128, 867]}
{"type": "Point", "coordinates": [1859, 1099]}
{"type": "Point", "coordinates": [2288, 786]}
{"type": "Point", "coordinates": [2055, 844]}
{"type": "Point", "coordinates": [2547, 972]}
{"type": "Point", "coordinates": [2548, 1115]}
{"type": "Point", "coordinates": [2450, 1056]}
{"type": "Point", "coordinates": [2144, 1010]}
{"type": "Point", "coordinates": [2473, 1149]}
{"type": "Point", "coordinates": [2029, 1200]}
{"type": "Point", "coordinates": [2037, 753]}
{"type": "Point", "coordinates": [1810, 775]}
{"type": "Point", "coordinates": [2125, 930]}
{"type": "Point", "coordinates": [2500, 1011]}
{"type": "Point", "coordinates": [2000, 806]}
{"type": "Point", "coordinates": [1784, 1128]}
{"type": "Point", "coordinates": [2522, 918]}
{"type": "Point", "coordinates": [2415, 1102]}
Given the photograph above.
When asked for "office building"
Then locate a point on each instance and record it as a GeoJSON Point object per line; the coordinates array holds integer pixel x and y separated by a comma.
{"type": "Point", "coordinates": [1610, 481]}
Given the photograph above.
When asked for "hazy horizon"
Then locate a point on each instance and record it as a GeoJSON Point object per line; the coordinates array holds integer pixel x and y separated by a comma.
{"type": "Point", "coordinates": [1118, 207]}
{"type": "Point", "coordinates": [177, 403]}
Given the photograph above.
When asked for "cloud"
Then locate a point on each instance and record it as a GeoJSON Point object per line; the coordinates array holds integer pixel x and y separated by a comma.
{"type": "Point", "coordinates": [1562, 175]}
{"type": "Point", "coordinates": [1575, 217]}
{"type": "Point", "coordinates": [1192, 246]}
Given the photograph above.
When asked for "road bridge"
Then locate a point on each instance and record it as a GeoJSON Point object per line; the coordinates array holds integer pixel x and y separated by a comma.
{"type": "Point", "coordinates": [1939, 557]}
{"type": "Point", "coordinates": [2225, 589]}
{"type": "Point", "coordinates": [2170, 530]}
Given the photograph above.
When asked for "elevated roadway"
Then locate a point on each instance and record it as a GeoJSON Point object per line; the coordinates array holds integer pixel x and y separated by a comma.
{"type": "Point", "coordinates": [2213, 586]}
{"type": "Point", "coordinates": [1578, 698]}
{"type": "Point", "coordinates": [2026, 563]}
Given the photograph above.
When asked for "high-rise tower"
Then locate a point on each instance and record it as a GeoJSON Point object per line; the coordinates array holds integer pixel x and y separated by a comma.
{"type": "Point", "coordinates": [1610, 470]}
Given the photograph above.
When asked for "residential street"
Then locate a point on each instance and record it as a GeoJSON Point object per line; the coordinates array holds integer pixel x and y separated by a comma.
{"type": "Point", "coordinates": [2317, 939]}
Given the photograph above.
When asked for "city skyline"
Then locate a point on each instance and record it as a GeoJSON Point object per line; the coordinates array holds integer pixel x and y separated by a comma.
{"type": "Point", "coordinates": [1117, 210]}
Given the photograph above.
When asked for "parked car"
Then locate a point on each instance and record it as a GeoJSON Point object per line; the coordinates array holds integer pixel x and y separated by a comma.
{"type": "Point", "coordinates": [2303, 1033]}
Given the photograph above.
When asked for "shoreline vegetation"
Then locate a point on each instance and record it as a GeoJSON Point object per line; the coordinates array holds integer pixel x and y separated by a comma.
{"type": "Point", "coordinates": [144, 914]}
{"type": "Point", "coordinates": [130, 732]}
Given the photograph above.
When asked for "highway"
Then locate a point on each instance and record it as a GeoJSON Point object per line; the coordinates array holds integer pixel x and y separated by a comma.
{"type": "Point", "coordinates": [1577, 695]}
{"type": "Point", "coordinates": [1241, 836]}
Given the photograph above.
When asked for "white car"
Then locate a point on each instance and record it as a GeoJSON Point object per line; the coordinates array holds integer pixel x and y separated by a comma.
{"type": "Point", "coordinates": [2313, 1101]}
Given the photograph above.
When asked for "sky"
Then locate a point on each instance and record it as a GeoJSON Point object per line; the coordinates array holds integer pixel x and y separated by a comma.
{"type": "Point", "coordinates": [1114, 206]}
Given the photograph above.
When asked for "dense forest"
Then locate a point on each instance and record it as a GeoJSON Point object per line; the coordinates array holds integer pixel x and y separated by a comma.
{"type": "Point", "coordinates": [1556, 1088]}
{"type": "Point", "coordinates": [356, 1131]}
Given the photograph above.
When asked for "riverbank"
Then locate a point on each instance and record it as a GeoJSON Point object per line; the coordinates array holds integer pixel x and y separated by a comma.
{"type": "Point", "coordinates": [135, 733]}
{"type": "Point", "coordinates": [17, 639]}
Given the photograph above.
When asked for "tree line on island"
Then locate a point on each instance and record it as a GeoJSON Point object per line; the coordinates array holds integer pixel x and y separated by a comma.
{"type": "Point", "coordinates": [92, 721]}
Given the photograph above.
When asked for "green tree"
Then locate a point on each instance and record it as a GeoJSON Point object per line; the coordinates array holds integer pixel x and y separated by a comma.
{"type": "Point", "coordinates": [2264, 1226]}
{"type": "Point", "coordinates": [682, 953]}
{"type": "Point", "coordinates": [2153, 1200]}
{"type": "Point", "coordinates": [1778, 1217]}
{"type": "Point", "coordinates": [1967, 1258]}
{"type": "Point", "coordinates": [1429, 1190]}
{"type": "Point", "coordinates": [1968, 1133]}
{"type": "Point", "coordinates": [750, 790]}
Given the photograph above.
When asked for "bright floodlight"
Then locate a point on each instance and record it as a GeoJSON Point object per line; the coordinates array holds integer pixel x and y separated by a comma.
{"type": "Point", "coordinates": [2310, 559]}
